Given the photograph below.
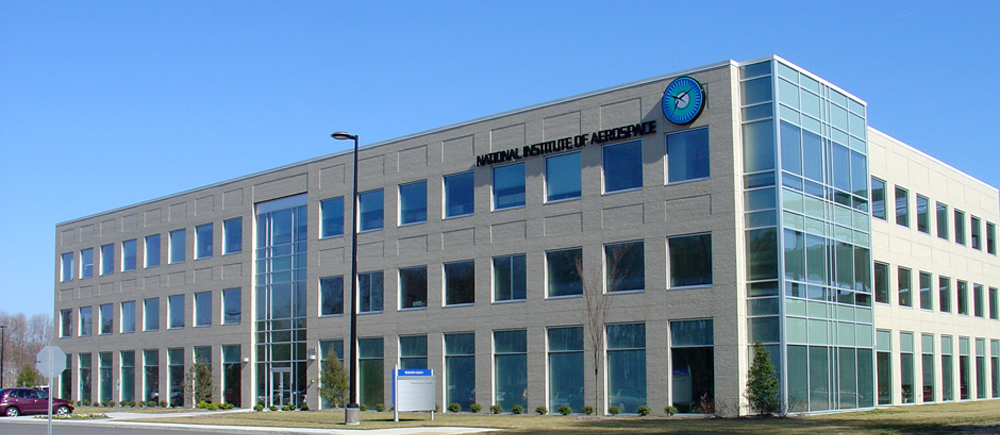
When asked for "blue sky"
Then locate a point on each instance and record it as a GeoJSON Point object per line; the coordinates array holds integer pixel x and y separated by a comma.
{"type": "Point", "coordinates": [104, 104]}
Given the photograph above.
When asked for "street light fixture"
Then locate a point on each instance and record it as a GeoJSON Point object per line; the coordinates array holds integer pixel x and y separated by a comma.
{"type": "Point", "coordinates": [352, 414]}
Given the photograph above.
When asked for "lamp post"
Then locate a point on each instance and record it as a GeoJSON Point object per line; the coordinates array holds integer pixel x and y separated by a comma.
{"type": "Point", "coordinates": [352, 414]}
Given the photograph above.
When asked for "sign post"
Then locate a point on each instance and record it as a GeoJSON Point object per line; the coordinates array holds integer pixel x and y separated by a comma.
{"type": "Point", "coordinates": [51, 361]}
{"type": "Point", "coordinates": [413, 390]}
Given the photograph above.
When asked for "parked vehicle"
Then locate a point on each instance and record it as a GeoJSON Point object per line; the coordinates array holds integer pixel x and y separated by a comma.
{"type": "Point", "coordinates": [18, 401]}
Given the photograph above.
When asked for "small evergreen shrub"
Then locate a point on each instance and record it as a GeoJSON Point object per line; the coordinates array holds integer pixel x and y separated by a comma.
{"type": "Point", "coordinates": [517, 409]}
{"type": "Point", "coordinates": [565, 410]}
{"type": "Point", "coordinates": [363, 407]}
{"type": "Point", "coordinates": [202, 405]}
{"type": "Point", "coordinates": [643, 410]}
{"type": "Point", "coordinates": [670, 410]}
{"type": "Point", "coordinates": [163, 404]}
{"type": "Point", "coordinates": [541, 410]}
{"type": "Point", "coordinates": [496, 409]}
{"type": "Point", "coordinates": [213, 407]}
{"type": "Point", "coordinates": [86, 403]}
{"type": "Point", "coordinates": [273, 407]}
{"type": "Point", "coordinates": [587, 410]}
{"type": "Point", "coordinates": [286, 408]}
{"type": "Point", "coordinates": [258, 407]}
{"type": "Point", "coordinates": [123, 403]}
{"type": "Point", "coordinates": [614, 410]}
{"type": "Point", "coordinates": [228, 406]}
{"type": "Point", "coordinates": [131, 403]}
{"type": "Point", "coordinates": [379, 407]}
{"type": "Point", "coordinates": [475, 407]}
{"type": "Point", "coordinates": [304, 407]}
{"type": "Point", "coordinates": [454, 407]}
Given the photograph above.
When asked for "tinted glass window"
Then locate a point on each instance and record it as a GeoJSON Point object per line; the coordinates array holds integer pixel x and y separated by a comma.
{"type": "Point", "coordinates": [687, 155]}
{"type": "Point", "coordinates": [508, 186]}
{"type": "Point", "coordinates": [622, 166]}
{"type": "Point", "coordinates": [458, 194]}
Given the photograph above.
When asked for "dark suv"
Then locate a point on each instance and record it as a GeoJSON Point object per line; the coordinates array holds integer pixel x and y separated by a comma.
{"type": "Point", "coordinates": [17, 401]}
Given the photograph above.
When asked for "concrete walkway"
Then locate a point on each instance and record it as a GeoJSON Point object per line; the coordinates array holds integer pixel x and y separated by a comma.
{"type": "Point", "coordinates": [118, 420]}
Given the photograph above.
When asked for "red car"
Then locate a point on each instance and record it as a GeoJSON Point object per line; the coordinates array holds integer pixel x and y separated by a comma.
{"type": "Point", "coordinates": [17, 401]}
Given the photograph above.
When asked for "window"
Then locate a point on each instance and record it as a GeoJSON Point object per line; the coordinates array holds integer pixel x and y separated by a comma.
{"type": "Point", "coordinates": [991, 238]}
{"type": "Point", "coordinates": [413, 202]}
{"type": "Point", "coordinates": [177, 248]}
{"type": "Point", "coordinates": [563, 276]}
{"type": "Point", "coordinates": [995, 368]}
{"type": "Point", "coordinates": [105, 385]}
{"type": "Point", "coordinates": [510, 280]}
{"type": "Point", "coordinates": [994, 307]}
{"type": "Point", "coordinates": [902, 207]}
{"type": "Point", "coordinates": [370, 292]}
{"type": "Point", "coordinates": [906, 372]}
{"type": "Point", "coordinates": [128, 317]}
{"type": "Point", "coordinates": [151, 314]}
{"type": "Point", "coordinates": [459, 195]}
{"type": "Point", "coordinates": [878, 198]}
{"type": "Point", "coordinates": [622, 167]}
{"type": "Point", "coordinates": [107, 320]}
{"type": "Point", "coordinates": [127, 373]}
{"type": "Point", "coordinates": [460, 282]}
{"type": "Point", "coordinates": [959, 227]}
{"type": "Point", "coordinates": [690, 260]}
{"type": "Point", "coordinates": [66, 323]}
{"type": "Point", "coordinates": [128, 255]}
{"type": "Point", "coordinates": [980, 368]}
{"type": "Point", "coordinates": [963, 298]}
{"type": "Point", "coordinates": [904, 284]}
{"type": "Point", "coordinates": [232, 306]}
{"type": "Point", "coordinates": [232, 235]}
{"type": "Point", "coordinates": [626, 366]}
{"type": "Point", "coordinates": [508, 186]}
{"type": "Point", "coordinates": [86, 321]}
{"type": "Point", "coordinates": [107, 259]}
{"type": "Point", "coordinates": [977, 228]}
{"type": "Point", "coordinates": [692, 355]}
{"type": "Point", "coordinates": [963, 368]}
{"type": "Point", "coordinates": [84, 366]}
{"type": "Point", "coordinates": [370, 363]}
{"type": "Point", "coordinates": [413, 287]}
{"type": "Point", "coordinates": [687, 155]}
{"type": "Point", "coordinates": [203, 241]}
{"type": "Point", "coordinates": [371, 206]}
{"type": "Point", "coordinates": [331, 295]}
{"type": "Point", "coordinates": [232, 374]}
{"type": "Point", "coordinates": [923, 215]}
{"type": "Point", "coordinates": [203, 309]}
{"type": "Point", "coordinates": [413, 352]}
{"type": "Point", "coordinates": [563, 177]}
{"type": "Point", "coordinates": [881, 282]}
{"type": "Point", "coordinates": [947, 369]}
{"type": "Point", "coordinates": [883, 365]}
{"type": "Point", "coordinates": [926, 299]}
{"type": "Point", "coordinates": [978, 303]}
{"type": "Point", "coordinates": [566, 368]}
{"type": "Point", "coordinates": [510, 366]}
{"type": "Point", "coordinates": [944, 294]}
{"type": "Point", "coordinates": [332, 217]}
{"type": "Point", "coordinates": [66, 260]}
{"type": "Point", "coordinates": [152, 256]}
{"type": "Point", "coordinates": [942, 221]}
{"type": "Point", "coordinates": [460, 368]}
{"type": "Point", "coordinates": [624, 267]}
{"type": "Point", "coordinates": [175, 376]}
{"type": "Point", "coordinates": [927, 366]}
{"type": "Point", "coordinates": [86, 263]}
{"type": "Point", "coordinates": [175, 311]}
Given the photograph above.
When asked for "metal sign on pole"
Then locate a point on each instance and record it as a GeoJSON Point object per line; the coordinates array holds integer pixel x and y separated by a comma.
{"type": "Point", "coordinates": [413, 390]}
{"type": "Point", "coordinates": [51, 361]}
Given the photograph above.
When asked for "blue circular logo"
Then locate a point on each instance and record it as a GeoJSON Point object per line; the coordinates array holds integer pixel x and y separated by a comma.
{"type": "Point", "coordinates": [683, 100]}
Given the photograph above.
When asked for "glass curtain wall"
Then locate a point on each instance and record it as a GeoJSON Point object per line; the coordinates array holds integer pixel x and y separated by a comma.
{"type": "Point", "coordinates": [281, 300]}
{"type": "Point", "coordinates": [626, 366]}
{"type": "Point", "coordinates": [460, 368]}
{"type": "Point", "coordinates": [807, 220]}
{"type": "Point", "coordinates": [566, 368]}
{"type": "Point", "coordinates": [510, 367]}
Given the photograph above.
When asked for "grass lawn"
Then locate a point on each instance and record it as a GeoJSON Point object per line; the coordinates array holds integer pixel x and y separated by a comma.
{"type": "Point", "coordinates": [980, 417]}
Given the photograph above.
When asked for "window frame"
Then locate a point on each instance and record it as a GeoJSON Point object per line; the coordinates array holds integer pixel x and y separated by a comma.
{"type": "Point", "coordinates": [923, 217]}
{"type": "Point", "coordinates": [107, 259]}
{"type": "Point", "coordinates": [402, 203]}
{"type": "Point", "coordinates": [943, 230]}
{"type": "Point", "coordinates": [549, 273]}
{"type": "Point", "coordinates": [670, 262]}
{"type": "Point", "coordinates": [172, 306]}
{"type": "Point", "coordinates": [414, 294]}
{"type": "Point", "coordinates": [446, 197]}
{"type": "Point", "coordinates": [146, 251]}
{"type": "Point", "coordinates": [362, 210]}
{"type": "Point", "coordinates": [605, 175]}
{"type": "Point", "coordinates": [225, 315]}
{"type": "Point", "coordinates": [879, 197]}
{"type": "Point", "coordinates": [125, 266]}
{"type": "Point", "coordinates": [328, 217]}
{"type": "Point", "coordinates": [512, 273]}
{"type": "Point", "coordinates": [203, 233]}
{"type": "Point", "coordinates": [200, 309]}
{"type": "Point", "coordinates": [323, 296]}
{"type": "Point", "coordinates": [177, 246]}
{"type": "Point", "coordinates": [523, 187]}
{"type": "Point", "coordinates": [707, 152]}
{"type": "Point", "coordinates": [228, 235]}
{"type": "Point", "coordinates": [629, 246]}
{"type": "Point", "coordinates": [560, 179]}
{"type": "Point", "coordinates": [902, 210]}
{"type": "Point", "coordinates": [449, 280]}
{"type": "Point", "coordinates": [86, 265]}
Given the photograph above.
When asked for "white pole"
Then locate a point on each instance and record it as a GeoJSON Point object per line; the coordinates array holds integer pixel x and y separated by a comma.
{"type": "Point", "coordinates": [395, 393]}
{"type": "Point", "coordinates": [49, 374]}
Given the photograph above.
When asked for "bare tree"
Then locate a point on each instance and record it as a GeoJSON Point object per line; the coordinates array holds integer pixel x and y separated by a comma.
{"type": "Point", "coordinates": [23, 339]}
{"type": "Point", "coordinates": [598, 303]}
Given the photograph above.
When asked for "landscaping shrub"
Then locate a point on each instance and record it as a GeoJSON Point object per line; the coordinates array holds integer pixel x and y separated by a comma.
{"type": "Point", "coordinates": [163, 404]}
{"type": "Point", "coordinates": [475, 407]}
{"type": "Point", "coordinates": [541, 410]}
{"type": "Point", "coordinates": [588, 410]}
{"type": "Point", "coordinates": [304, 407]}
{"type": "Point", "coordinates": [614, 410]}
{"type": "Point", "coordinates": [273, 408]}
{"type": "Point", "coordinates": [258, 407]}
{"type": "Point", "coordinates": [565, 410]}
{"type": "Point", "coordinates": [670, 410]}
{"type": "Point", "coordinates": [643, 410]}
{"type": "Point", "coordinates": [517, 409]}
{"type": "Point", "coordinates": [363, 407]}
{"type": "Point", "coordinates": [454, 407]}
{"type": "Point", "coordinates": [379, 407]}
{"type": "Point", "coordinates": [496, 409]}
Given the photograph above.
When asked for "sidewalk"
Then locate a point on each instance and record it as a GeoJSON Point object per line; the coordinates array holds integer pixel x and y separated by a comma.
{"type": "Point", "coordinates": [127, 420]}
